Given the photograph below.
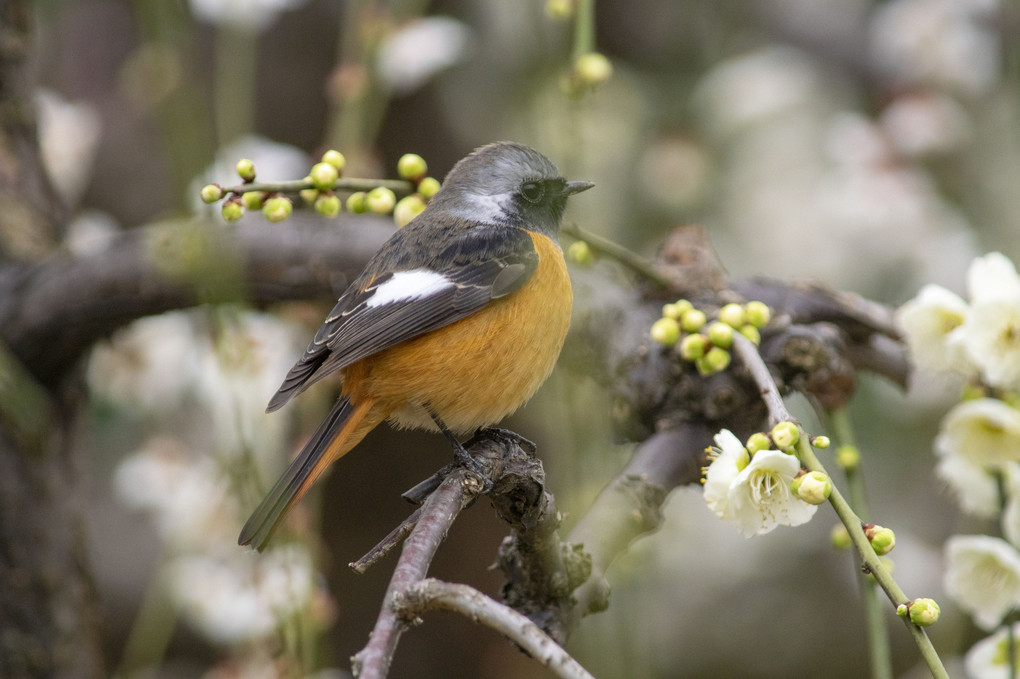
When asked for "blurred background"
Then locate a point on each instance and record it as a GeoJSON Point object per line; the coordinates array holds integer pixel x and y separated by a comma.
{"type": "Point", "coordinates": [872, 146]}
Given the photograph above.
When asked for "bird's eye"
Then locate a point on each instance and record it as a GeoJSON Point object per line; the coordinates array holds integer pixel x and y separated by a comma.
{"type": "Point", "coordinates": [532, 191]}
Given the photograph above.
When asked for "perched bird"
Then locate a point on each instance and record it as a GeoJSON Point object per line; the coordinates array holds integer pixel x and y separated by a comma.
{"type": "Point", "coordinates": [454, 323]}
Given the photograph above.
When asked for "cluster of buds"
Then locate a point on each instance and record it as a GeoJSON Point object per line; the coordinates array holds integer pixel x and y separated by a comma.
{"type": "Point", "coordinates": [707, 344]}
{"type": "Point", "coordinates": [412, 168]}
{"type": "Point", "coordinates": [319, 190]}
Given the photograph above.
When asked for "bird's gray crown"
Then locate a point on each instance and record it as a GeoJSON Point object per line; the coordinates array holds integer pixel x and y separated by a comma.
{"type": "Point", "coordinates": [481, 185]}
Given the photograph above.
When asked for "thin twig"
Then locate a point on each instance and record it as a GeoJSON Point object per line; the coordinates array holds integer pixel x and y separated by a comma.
{"type": "Point", "coordinates": [614, 250]}
{"type": "Point", "coordinates": [437, 515]}
{"type": "Point", "coordinates": [432, 594]}
{"type": "Point", "coordinates": [387, 544]}
{"type": "Point", "coordinates": [778, 412]}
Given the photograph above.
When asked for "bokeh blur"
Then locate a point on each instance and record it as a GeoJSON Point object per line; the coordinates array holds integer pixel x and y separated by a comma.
{"type": "Point", "coordinates": [872, 146]}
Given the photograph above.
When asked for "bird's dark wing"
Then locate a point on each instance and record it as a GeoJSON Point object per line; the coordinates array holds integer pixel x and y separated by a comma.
{"type": "Point", "coordinates": [412, 287]}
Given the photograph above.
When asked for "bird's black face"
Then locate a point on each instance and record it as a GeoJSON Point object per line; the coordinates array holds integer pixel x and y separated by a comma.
{"type": "Point", "coordinates": [539, 202]}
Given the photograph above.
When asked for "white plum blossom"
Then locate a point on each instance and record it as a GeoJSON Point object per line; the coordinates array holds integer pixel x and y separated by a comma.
{"type": "Point", "coordinates": [1011, 514]}
{"type": "Point", "coordinates": [992, 340]}
{"type": "Point", "coordinates": [410, 56]}
{"type": "Point", "coordinates": [931, 323]}
{"type": "Point", "coordinates": [983, 577]}
{"type": "Point", "coordinates": [989, 658]}
{"type": "Point", "coordinates": [973, 487]}
{"type": "Point", "coordinates": [756, 496]}
{"type": "Point", "coordinates": [991, 277]}
{"type": "Point", "coordinates": [984, 431]}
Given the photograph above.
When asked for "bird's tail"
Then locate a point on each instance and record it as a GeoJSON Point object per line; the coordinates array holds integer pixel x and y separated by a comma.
{"type": "Point", "coordinates": [343, 428]}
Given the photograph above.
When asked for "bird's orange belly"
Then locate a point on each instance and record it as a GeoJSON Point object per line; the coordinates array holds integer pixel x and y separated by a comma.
{"type": "Point", "coordinates": [475, 372]}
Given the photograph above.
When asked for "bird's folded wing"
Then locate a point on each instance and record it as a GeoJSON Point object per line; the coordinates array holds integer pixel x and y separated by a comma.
{"type": "Point", "coordinates": [383, 309]}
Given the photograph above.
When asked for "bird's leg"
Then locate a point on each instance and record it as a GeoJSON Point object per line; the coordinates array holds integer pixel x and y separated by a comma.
{"type": "Point", "coordinates": [496, 433]}
{"type": "Point", "coordinates": [461, 458]}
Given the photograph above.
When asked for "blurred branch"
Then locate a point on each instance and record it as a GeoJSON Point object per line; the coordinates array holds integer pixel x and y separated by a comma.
{"type": "Point", "coordinates": [53, 311]}
{"type": "Point", "coordinates": [398, 186]}
{"type": "Point", "coordinates": [431, 594]}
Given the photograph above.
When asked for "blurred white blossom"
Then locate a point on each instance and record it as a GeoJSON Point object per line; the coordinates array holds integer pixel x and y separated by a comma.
{"type": "Point", "coordinates": [974, 487]}
{"type": "Point", "coordinates": [232, 599]}
{"type": "Point", "coordinates": [185, 494]}
{"type": "Point", "coordinates": [148, 366]}
{"type": "Point", "coordinates": [414, 53]}
{"type": "Point", "coordinates": [992, 277]}
{"type": "Point", "coordinates": [989, 658]}
{"type": "Point", "coordinates": [252, 354]}
{"type": "Point", "coordinates": [983, 577]}
{"type": "Point", "coordinates": [948, 44]}
{"type": "Point", "coordinates": [1011, 513]}
{"type": "Point", "coordinates": [91, 232]}
{"type": "Point", "coordinates": [249, 15]}
{"type": "Point", "coordinates": [68, 138]}
{"type": "Point", "coordinates": [983, 431]}
{"type": "Point", "coordinates": [923, 125]}
{"type": "Point", "coordinates": [754, 494]}
{"type": "Point", "coordinates": [992, 332]}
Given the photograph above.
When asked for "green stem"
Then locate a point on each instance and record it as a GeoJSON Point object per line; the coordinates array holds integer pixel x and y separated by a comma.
{"type": "Point", "coordinates": [352, 184]}
{"type": "Point", "coordinates": [235, 83]}
{"type": "Point", "coordinates": [154, 625]}
{"type": "Point", "coordinates": [614, 250]}
{"type": "Point", "coordinates": [584, 28]}
{"type": "Point", "coordinates": [879, 650]}
{"type": "Point", "coordinates": [871, 561]}
{"type": "Point", "coordinates": [778, 412]}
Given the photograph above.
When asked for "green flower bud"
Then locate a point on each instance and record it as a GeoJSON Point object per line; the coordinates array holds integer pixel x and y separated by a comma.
{"type": "Point", "coordinates": [715, 360]}
{"type": "Point", "coordinates": [593, 69]}
{"type": "Point", "coordinates": [580, 252]}
{"type": "Point", "coordinates": [429, 187]}
{"type": "Point", "coordinates": [231, 210]}
{"type": "Point", "coordinates": [245, 170]}
{"type": "Point", "coordinates": [693, 347]}
{"type": "Point", "coordinates": [732, 315]}
{"type": "Point", "coordinates": [813, 488]}
{"type": "Point", "coordinates": [821, 442]}
{"type": "Point", "coordinates": [277, 208]}
{"type": "Point", "coordinates": [309, 195]}
{"type": "Point", "coordinates": [743, 460]}
{"type": "Point", "coordinates": [693, 320]}
{"type": "Point", "coordinates": [922, 612]}
{"type": "Point", "coordinates": [882, 539]}
{"type": "Point", "coordinates": [839, 538]}
{"type": "Point", "coordinates": [411, 167]}
{"type": "Point", "coordinates": [328, 204]}
{"type": "Point", "coordinates": [324, 176]}
{"type": "Point", "coordinates": [380, 200]}
{"type": "Point", "coordinates": [758, 441]}
{"type": "Point", "coordinates": [559, 10]}
{"type": "Point", "coordinates": [785, 434]}
{"type": "Point", "coordinates": [720, 334]}
{"type": "Point", "coordinates": [758, 314]}
{"type": "Point", "coordinates": [211, 193]}
{"type": "Point", "coordinates": [665, 331]}
{"type": "Point", "coordinates": [334, 158]}
{"type": "Point", "coordinates": [848, 457]}
{"type": "Point", "coordinates": [252, 200]}
{"type": "Point", "coordinates": [356, 203]}
{"type": "Point", "coordinates": [751, 333]}
{"type": "Point", "coordinates": [408, 208]}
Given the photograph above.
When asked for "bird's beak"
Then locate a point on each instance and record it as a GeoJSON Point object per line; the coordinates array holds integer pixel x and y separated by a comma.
{"type": "Point", "coordinates": [576, 187]}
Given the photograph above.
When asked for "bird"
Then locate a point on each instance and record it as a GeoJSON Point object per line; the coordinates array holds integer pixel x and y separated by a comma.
{"type": "Point", "coordinates": [454, 323]}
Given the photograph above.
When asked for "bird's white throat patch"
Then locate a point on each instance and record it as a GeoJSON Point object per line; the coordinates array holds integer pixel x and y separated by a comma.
{"type": "Point", "coordinates": [416, 283]}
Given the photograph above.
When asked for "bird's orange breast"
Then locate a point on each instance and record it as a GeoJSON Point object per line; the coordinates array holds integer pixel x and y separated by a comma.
{"type": "Point", "coordinates": [478, 370]}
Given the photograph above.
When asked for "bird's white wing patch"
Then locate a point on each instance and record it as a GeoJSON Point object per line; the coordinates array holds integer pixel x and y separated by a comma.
{"type": "Point", "coordinates": [403, 285]}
